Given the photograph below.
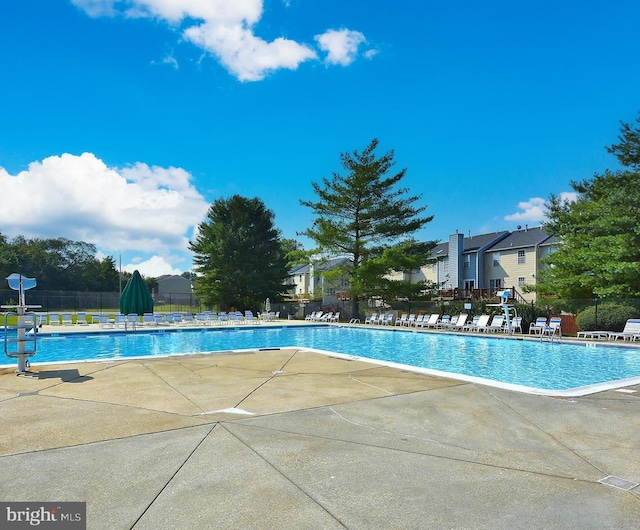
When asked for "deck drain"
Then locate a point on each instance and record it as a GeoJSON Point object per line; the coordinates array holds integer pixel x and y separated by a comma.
{"type": "Point", "coordinates": [618, 482]}
{"type": "Point", "coordinates": [625, 390]}
{"type": "Point", "coordinates": [34, 393]}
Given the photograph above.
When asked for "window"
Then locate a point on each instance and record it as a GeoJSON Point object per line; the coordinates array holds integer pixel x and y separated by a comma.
{"type": "Point", "coordinates": [521, 257]}
{"type": "Point", "coordinates": [495, 284]}
{"type": "Point", "coordinates": [434, 267]}
{"type": "Point", "coordinates": [446, 264]}
{"type": "Point", "coordinates": [466, 261]}
{"type": "Point", "coordinates": [521, 281]}
{"type": "Point", "coordinates": [496, 259]}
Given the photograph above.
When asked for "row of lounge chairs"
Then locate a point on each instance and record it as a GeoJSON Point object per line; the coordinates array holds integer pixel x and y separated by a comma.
{"type": "Point", "coordinates": [380, 320]}
{"type": "Point", "coordinates": [631, 332]}
{"type": "Point", "coordinates": [550, 328]}
{"type": "Point", "coordinates": [154, 319]}
{"type": "Point", "coordinates": [482, 323]}
{"type": "Point", "coordinates": [321, 316]}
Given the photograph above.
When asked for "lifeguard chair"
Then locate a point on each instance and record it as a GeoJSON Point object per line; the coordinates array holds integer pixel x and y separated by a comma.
{"type": "Point", "coordinates": [20, 339]}
{"type": "Point", "coordinates": [510, 312]}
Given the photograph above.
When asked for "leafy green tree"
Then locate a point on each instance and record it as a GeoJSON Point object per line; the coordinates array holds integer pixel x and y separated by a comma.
{"type": "Point", "coordinates": [8, 259]}
{"type": "Point", "coordinates": [294, 252]}
{"type": "Point", "coordinates": [598, 254]}
{"type": "Point", "coordinates": [58, 264]}
{"type": "Point", "coordinates": [366, 217]}
{"type": "Point", "coordinates": [238, 255]}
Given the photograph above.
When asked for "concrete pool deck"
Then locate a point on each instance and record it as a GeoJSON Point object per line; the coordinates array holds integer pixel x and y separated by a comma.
{"type": "Point", "coordinates": [295, 439]}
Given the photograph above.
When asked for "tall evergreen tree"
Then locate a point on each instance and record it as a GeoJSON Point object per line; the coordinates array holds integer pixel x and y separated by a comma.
{"type": "Point", "coordinates": [238, 256]}
{"type": "Point", "coordinates": [366, 217]}
{"type": "Point", "coordinates": [599, 233]}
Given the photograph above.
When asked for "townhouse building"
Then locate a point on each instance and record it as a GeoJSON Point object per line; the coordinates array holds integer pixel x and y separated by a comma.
{"type": "Point", "coordinates": [463, 266]}
{"type": "Point", "coordinates": [308, 282]}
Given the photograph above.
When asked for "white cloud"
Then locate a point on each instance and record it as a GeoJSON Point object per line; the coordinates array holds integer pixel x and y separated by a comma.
{"type": "Point", "coordinates": [152, 267]}
{"type": "Point", "coordinates": [225, 29]}
{"type": "Point", "coordinates": [341, 45]}
{"type": "Point", "coordinates": [96, 8]}
{"type": "Point", "coordinates": [171, 60]}
{"type": "Point", "coordinates": [533, 211]}
{"type": "Point", "coordinates": [568, 196]}
{"type": "Point", "coordinates": [150, 210]}
{"type": "Point", "coordinates": [248, 57]}
{"type": "Point", "coordinates": [370, 54]}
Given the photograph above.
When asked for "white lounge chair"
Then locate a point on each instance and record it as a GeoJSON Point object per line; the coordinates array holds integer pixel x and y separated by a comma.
{"type": "Point", "coordinates": [67, 320]}
{"type": "Point", "coordinates": [553, 328]}
{"type": "Point", "coordinates": [327, 317]}
{"type": "Point", "coordinates": [630, 332]}
{"type": "Point", "coordinates": [401, 321]}
{"type": "Point", "coordinates": [497, 324]}
{"type": "Point", "coordinates": [535, 328]}
{"type": "Point", "coordinates": [516, 325]}
{"type": "Point", "coordinates": [387, 320]}
{"type": "Point", "coordinates": [104, 321]}
{"type": "Point", "coordinates": [431, 322]}
{"type": "Point", "coordinates": [372, 319]}
{"type": "Point", "coordinates": [481, 325]}
{"type": "Point", "coordinates": [469, 325]}
{"type": "Point", "coordinates": [409, 322]}
{"type": "Point", "coordinates": [460, 322]}
{"type": "Point", "coordinates": [81, 319]}
{"type": "Point", "coordinates": [594, 335]}
{"type": "Point", "coordinates": [418, 321]}
{"type": "Point", "coordinates": [149, 319]}
{"type": "Point", "coordinates": [443, 322]}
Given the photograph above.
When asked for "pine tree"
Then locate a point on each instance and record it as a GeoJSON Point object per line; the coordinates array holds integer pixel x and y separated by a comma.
{"type": "Point", "coordinates": [366, 217]}
{"type": "Point", "coordinates": [598, 253]}
{"type": "Point", "coordinates": [238, 256]}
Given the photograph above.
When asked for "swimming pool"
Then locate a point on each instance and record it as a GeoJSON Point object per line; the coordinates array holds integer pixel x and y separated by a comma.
{"type": "Point", "coordinates": [531, 366]}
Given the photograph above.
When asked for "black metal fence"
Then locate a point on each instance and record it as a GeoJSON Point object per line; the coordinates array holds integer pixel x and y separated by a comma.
{"type": "Point", "coordinates": [96, 301]}
{"type": "Point", "coordinates": [74, 301]}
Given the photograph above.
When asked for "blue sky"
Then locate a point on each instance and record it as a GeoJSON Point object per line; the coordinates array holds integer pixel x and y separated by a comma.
{"type": "Point", "coordinates": [122, 121]}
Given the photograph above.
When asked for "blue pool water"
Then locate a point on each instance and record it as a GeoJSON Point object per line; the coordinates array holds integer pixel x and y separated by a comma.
{"type": "Point", "coordinates": [554, 367]}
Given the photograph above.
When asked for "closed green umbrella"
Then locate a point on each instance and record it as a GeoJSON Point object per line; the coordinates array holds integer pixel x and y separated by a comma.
{"type": "Point", "coordinates": [135, 297]}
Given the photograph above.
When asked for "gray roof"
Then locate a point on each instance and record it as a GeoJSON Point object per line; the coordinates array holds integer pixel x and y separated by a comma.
{"type": "Point", "coordinates": [474, 243]}
{"type": "Point", "coordinates": [325, 265]}
{"type": "Point", "coordinates": [439, 251]}
{"type": "Point", "coordinates": [527, 237]}
{"type": "Point", "coordinates": [471, 244]}
{"type": "Point", "coordinates": [299, 269]}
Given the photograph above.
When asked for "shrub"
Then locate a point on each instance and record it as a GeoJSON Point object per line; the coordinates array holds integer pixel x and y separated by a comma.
{"type": "Point", "coordinates": [611, 317]}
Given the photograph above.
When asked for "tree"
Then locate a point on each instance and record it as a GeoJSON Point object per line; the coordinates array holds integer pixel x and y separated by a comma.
{"type": "Point", "coordinates": [238, 255]}
{"type": "Point", "coordinates": [59, 264]}
{"type": "Point", "coordinates": [367, 218]}
{"type": "Point", "coordinates": [294, 252]}
{"type": "Point", "coordinates": [598, 254]}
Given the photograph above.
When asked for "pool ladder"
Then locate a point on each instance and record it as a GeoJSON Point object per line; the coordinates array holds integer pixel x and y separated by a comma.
{"type": "Point", "coordinates": [20, 340]}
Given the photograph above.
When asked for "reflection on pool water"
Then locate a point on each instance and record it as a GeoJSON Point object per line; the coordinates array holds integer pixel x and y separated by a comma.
{"type": "Point", "coordinates": [535, 364]}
